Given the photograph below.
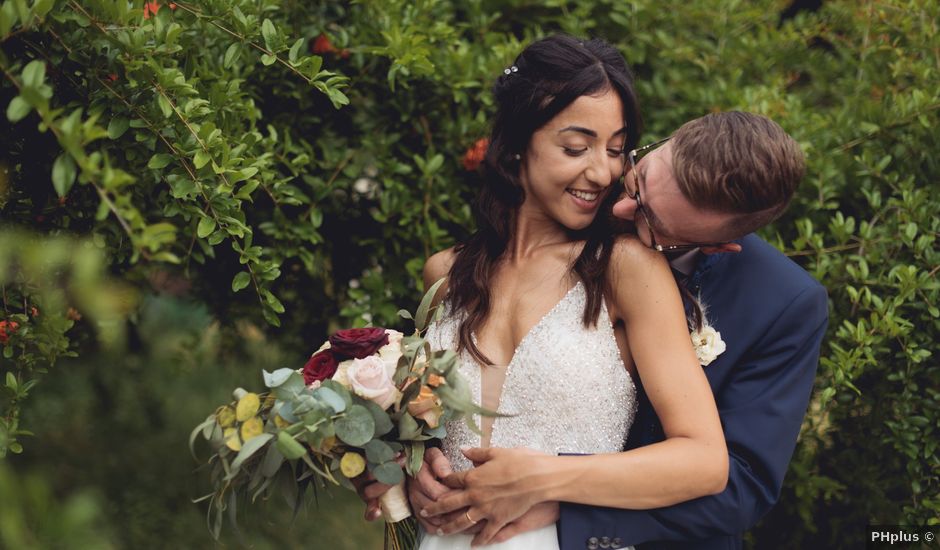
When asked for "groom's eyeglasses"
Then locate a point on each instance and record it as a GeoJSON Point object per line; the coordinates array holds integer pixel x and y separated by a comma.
{"type": "Point", "coordinates": [632, 187]}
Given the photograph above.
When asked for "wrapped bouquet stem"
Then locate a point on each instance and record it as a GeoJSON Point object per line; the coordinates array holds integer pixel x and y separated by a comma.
{"type": "Point", "coordinates": [366, 401]}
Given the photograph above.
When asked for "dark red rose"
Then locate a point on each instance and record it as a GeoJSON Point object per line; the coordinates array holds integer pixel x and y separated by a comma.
{"type": "Point", "coordinates": [320, 367]}
{"type": "Point", "coordinates": [356, 343]}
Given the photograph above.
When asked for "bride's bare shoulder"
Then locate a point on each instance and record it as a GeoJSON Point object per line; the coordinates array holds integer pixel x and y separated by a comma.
{"type": "Point", "coordinates": [438, 266]}
{"type": "Point", "coordinates": [629, 254]}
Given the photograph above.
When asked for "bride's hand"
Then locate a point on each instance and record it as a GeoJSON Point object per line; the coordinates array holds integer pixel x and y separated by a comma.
{"type": "Point", "coordinates": [504, 485]}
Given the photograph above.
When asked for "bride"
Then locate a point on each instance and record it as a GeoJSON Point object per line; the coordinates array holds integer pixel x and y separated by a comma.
{"type": "Point", "coordinates": [554, 315]}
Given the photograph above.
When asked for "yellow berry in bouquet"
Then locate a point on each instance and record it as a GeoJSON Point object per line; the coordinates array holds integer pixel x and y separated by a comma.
{"type": "Point", "coordinates": [252, 427]}
{"type": "Point", "coordinates": [225, 416]}
{"type": "Point", "coordinates": [248, 406]}
{"type": "Point", "coordinates": [352, 464]}
{"type": "Point", "coordinates": [280, 422]}
{"type": "Point", "coordinates": [231, 439]}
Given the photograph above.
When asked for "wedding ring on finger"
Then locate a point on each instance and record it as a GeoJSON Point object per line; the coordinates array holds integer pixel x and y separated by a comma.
{"type": "Point", "coordinates": [470, 519]}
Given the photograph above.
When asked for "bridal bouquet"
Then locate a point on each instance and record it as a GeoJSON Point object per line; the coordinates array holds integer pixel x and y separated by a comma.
{"type": "Point", "coordinates": [367, 400]}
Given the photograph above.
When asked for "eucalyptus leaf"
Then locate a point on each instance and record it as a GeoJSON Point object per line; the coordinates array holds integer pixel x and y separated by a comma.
{"type": "Point", "coordinates": [356, 426]}
{"type": "Point", "coordinates": [389, 473]}
{"type": "Point", "coordinates": [331, 398]}
{"type": "Point", "coordinates": [276, 378]}
{"type": "Point", "coordinates": [383, 423]}
{"type": "Point", "coordinates": [249, 448]}
{"type": "Point", "coordinates": [378, 451]}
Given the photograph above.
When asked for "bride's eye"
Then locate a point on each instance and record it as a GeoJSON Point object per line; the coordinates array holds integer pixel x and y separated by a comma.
{"type": "Point", "coordinates": [615, 152]}
{"type": "Point", "coordinates": [572, 152]}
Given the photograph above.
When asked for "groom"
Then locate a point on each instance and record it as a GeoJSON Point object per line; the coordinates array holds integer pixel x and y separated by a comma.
{"type": "Point", "coordinates": [697, 197]}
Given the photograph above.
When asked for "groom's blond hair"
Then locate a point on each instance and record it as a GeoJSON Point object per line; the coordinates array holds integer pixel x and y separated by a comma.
{"type": "Point", "coordinates": [737, 163]}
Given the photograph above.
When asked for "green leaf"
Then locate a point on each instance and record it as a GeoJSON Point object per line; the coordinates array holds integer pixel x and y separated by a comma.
{"type": "Point", "coordinates": [201, 159]}
{"type": "Point", "coordinates": [269, 33]}
{"type": "Point", "coordinates": [63, 174]}
{"type": "Point", "coordinates": [333, 399]}
{"type": "Point", "coordinates": [240, 281]}
{"type": "Point", "coordinates": [389, 473]}
{"type": "Point", "coordinates": [378, 451]}
{"type": "Point", "coordinates": [405, 314]}
{"type": "Point", "coordinates": [272, 461]}
{"type": "Point", "coordinates": [42, 7]}
{"type": "Point", "coordinates": [356, 426]}
{"type": "Point", "coordinates": [268, 60]}
{"type": "Point", "coordinates": [435, 163]}
{"type": "Point", "coordinates": [8, 18]}
{"type": "Point", "coordinates": [164, 105]}
{"type": "Point", "coordinates": [117, 127]}
{"type": "Point", "coordinates": [421, 316]}
{"type": "Point", "coordinates": [11, 381]}
{"type": "Point", "coordinates": [17, 109]}
{"type": "Point", "coordinates": [34, 74]}
{"type": "Point", "coordinates": [408, 427]}
{"type": "Point", "coordinates": [415, 454]}
{"type": "Point", "coordinates": [295, 49]}
{"type": "Point", "coordinates": [232, 53]}
{"type": "Point", "coordinates": [160, 160]}
{"type": "Point", "coordinates": [249, 448]}
{"type": "Point", "coordinates": [289, 446]}
{"type": "Point", "coordinates": [205, 228]}
{"type": "Point", "coordinates": [383, 423]}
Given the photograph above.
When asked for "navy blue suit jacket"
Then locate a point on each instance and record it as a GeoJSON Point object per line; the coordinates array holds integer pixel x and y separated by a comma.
{"type": "Point", "coordinates": [772, 315]}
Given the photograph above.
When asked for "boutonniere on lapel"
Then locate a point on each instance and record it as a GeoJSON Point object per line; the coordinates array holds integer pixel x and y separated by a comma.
{"type": "Point", "coordinates": [707, 343]}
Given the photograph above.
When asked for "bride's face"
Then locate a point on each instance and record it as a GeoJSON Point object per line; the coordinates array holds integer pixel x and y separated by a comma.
{"type": "Point", "coordinates": [572, 161]}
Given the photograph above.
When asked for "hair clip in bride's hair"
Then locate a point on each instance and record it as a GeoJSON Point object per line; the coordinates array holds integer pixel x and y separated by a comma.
{"type": "Point", "coordinates": [511, 70]}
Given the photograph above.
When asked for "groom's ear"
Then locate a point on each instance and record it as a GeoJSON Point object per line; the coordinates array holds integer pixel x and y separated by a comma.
{"type": "Point", "coordinates": [733, 248]}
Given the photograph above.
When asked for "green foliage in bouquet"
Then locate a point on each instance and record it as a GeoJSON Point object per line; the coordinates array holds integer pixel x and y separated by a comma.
{"type": "Point", "coordinates": [335, 429]}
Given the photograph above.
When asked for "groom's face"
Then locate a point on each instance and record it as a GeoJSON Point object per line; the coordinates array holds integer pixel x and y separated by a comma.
{"type": "Point", "coordinates": [667, 215]}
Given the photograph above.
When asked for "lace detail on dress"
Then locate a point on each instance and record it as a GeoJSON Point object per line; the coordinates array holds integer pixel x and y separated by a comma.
{"type": "Point", "coordinates": [566, 385]}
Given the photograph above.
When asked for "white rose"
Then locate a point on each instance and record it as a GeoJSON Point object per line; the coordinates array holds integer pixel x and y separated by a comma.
{"type": "Point", "coordinates": [390, 353]}
{"type": "Point", "coordinates": [708, 344]}
{"type": "Point", "coordinates": [369, 379]}
{"type": "Point", "coordinates": [340, 375]}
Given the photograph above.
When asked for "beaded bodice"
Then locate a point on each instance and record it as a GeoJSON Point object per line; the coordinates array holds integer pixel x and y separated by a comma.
{"type": "Point", "coordinates": [566, 386]}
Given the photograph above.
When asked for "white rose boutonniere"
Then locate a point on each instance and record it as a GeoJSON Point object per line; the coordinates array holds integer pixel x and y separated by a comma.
{"type": "Point", "coordinates": [708, 344]}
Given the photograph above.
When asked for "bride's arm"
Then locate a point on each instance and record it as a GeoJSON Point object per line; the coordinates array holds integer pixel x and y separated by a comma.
{"type": "Point", "coordinates": [693, 460]}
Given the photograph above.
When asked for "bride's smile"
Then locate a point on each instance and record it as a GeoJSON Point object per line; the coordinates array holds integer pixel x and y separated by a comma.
{"type": "Point", "coordinates": [571, 162]}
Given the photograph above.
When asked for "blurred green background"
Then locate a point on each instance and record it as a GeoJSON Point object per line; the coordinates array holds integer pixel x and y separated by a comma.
{"type": "Point", "coordinates": [191, 192]}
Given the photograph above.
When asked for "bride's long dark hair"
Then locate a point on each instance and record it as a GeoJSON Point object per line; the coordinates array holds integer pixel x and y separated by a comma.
{"type": "Point", "coordinates": [546, 78]}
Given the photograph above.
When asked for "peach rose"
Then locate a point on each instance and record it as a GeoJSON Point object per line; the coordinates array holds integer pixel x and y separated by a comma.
{"type": "Point", "coordinates": [427, 407]}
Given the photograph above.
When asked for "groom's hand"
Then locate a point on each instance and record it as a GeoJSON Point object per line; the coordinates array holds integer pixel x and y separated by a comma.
{"type": "Point", "coordinates": [502, 487]}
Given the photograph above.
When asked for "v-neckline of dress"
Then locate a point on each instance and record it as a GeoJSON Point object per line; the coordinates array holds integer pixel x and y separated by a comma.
{"type": "Point", "coordinates": [525, 339]}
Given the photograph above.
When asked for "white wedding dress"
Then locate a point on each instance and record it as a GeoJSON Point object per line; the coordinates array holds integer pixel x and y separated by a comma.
{"type": "Point", "coordinates": [568, 389]}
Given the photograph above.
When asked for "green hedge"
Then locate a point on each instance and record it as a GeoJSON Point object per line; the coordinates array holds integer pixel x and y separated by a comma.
{"type": "Point", "coordinates": [266, 171]}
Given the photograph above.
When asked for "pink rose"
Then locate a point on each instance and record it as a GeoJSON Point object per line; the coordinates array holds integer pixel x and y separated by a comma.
{"type": "Point", "coordinates": [370, 379]}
